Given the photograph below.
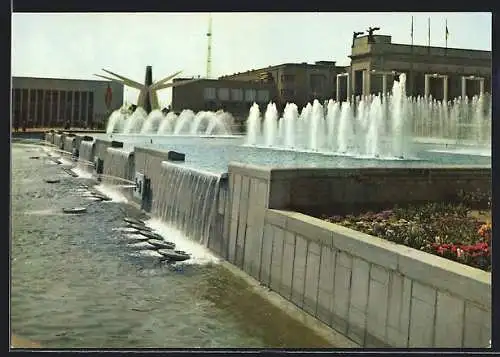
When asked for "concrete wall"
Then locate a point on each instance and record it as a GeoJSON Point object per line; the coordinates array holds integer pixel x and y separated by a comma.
{"type": "Point", "coordinates": [373, 291]}
{"type": "Point", "coordinates": [337, 191]}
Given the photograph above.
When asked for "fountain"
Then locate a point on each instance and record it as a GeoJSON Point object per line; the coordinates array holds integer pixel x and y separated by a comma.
{"type": "Point", "coordinates": [156, 123]}
{"type": "Point", "coordinates": [373, 126]}
{"type": "Point", "coordinates": [187, 200]}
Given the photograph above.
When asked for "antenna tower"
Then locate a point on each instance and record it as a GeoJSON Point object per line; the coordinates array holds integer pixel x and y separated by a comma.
{"type": "Point", "coordinates": [209, 47]}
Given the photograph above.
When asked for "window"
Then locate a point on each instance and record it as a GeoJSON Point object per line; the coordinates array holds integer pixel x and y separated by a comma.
{"type": "Point", "coordinates": [317, 82]}
{"type": "Point", "coordinates": [237, 94]}
{"type": "Point", "coordinates": [263, 96]}
{"type": "Point", "coordinates": [287, 92]}
{"type": "Point", "coordinates": [250, 95]}
{"type": "Point", "coordinates": [223, 94]}
{"type": "Point", "coordinates": [288, 78]}
{"type": "Point", "coordinates": [209, 93]}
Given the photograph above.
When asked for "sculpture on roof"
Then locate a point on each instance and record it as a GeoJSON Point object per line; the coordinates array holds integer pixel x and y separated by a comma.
{"type": "Point", "coordinates": [148, 98]}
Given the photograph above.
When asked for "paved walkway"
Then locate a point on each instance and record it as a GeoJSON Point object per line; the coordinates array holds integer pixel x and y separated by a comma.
{"type": "Point", "coordinates": [18, 342]}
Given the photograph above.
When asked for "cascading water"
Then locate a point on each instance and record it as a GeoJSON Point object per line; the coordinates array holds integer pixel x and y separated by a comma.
{"type": "Point", "coordinates": [187, 199]}
{"type": "Point", "coordinates": [86, 156]}
{"type": "Point", "coordinates": [118, 163]}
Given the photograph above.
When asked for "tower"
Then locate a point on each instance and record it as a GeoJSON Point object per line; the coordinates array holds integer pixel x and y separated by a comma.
{"type": "Point", "coordinates": [209, 47]}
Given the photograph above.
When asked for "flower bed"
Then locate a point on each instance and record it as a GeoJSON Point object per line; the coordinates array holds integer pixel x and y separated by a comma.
{"type": "Point", "coordinates": [456, 232]}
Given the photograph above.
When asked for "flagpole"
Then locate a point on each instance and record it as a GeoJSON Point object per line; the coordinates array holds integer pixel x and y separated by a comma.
{"type": "Point", "coordinates": [429, 34]}
{"type": "Point", "coordinates": [411, 62]}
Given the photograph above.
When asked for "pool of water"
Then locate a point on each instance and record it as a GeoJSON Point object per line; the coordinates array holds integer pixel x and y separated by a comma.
{"type": "Point", "coordinates": [215, 153]}
{"type": "Point", "coordinates": [75, 283]}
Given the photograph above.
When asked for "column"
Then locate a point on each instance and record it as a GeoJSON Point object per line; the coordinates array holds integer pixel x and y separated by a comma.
{"type": "Point", "coordinates": [384, 85]}
{"type": "Point", "coordinates": [80, 109]}
{"type": "Point", "coordinates": [72, 107]}
{"type": "Point", "coordinates": [42, 119]}
{"type": "Point", "coordinates": [35, 114]}
{"type": "Point", "coordinates": [28, 113]}
{"type": "Point", "coordinates": [58, 110]}
{"type": "Point", "coordinates": [427, 88]}
{"type": "Point", "coordinates": [464, 87]}
{"type": "Point", "coordinates": [338, 87]}
{"type": "Point", "coordinates": [86, 118]}
{"type": "Point", "coordinates": [481, 86]}
{"type": "Point", "coordinates": [365, 82]}
{"type": "Point", "coordinates": [445, 88]}
{"type": "Point", "coordinates": [21, 107]}
{"type": "Point", "coordinates": [348, 89]}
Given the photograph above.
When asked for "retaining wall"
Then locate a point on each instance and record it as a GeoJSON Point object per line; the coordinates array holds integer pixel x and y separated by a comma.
{"type": "Point", "coordinates": [338, 191]}
{"type": "Point", "coordinates": [375, 292]}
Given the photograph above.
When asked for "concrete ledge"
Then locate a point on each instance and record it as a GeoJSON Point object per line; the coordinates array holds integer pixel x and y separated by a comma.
{"type": "Point", "coordinates": [471, 283]}
{"type": "Point", "coordinates": [364, 173]}
{"type": "Point", "coordinates": [254, 171]}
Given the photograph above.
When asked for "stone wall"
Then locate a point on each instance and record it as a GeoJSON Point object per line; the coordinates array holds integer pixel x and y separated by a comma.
{"type": "Point", "coordinates": [375, 292]}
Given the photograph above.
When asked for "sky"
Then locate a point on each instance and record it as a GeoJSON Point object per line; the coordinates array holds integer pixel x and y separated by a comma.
{"type": "Point", "coordinates": [77, 45]}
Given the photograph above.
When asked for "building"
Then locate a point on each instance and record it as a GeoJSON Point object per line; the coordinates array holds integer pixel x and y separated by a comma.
{"type": "Point", "coordinates": [51, 102]}
{"type": "Point", "coordinates": [233, 96]}
{"type": "Point", "coordinates": [299, 83]}
{"type": "Point", "coordinates": [437, 71]}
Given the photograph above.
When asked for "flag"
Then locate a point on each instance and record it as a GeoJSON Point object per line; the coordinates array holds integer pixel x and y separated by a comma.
{"type": "Point", "coordinates": [447, 33]}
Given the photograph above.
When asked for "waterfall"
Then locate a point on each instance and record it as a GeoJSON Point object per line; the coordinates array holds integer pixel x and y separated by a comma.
{"type": "Point", "coordinates": [86, 155]}
{"type": "Point", "coordinates": [119, 163]}
{"type": "Point", "coordinates": [187, 199]}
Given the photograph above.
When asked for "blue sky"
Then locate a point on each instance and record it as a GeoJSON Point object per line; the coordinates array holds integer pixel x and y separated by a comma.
{"type": "Point", "coordinates": [69, 45]}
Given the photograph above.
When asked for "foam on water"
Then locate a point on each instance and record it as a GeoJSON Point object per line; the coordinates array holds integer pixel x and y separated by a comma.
{"type": "Point", "coordinates": [111, 192]}
{"type": "Point", "coordinates": [146, 253]}
{"type": "Point", "coordinates": [141, 245]}
{"type": "Point", "coordinates": [82, 173]}
{"type": "Point", "coordinates": [200, 255]}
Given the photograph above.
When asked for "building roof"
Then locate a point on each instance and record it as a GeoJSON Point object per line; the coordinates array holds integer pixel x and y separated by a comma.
{"type": "Point", "coordinates": [59, 79]}
{"type": "Point", "coordinates": [289, 64]}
